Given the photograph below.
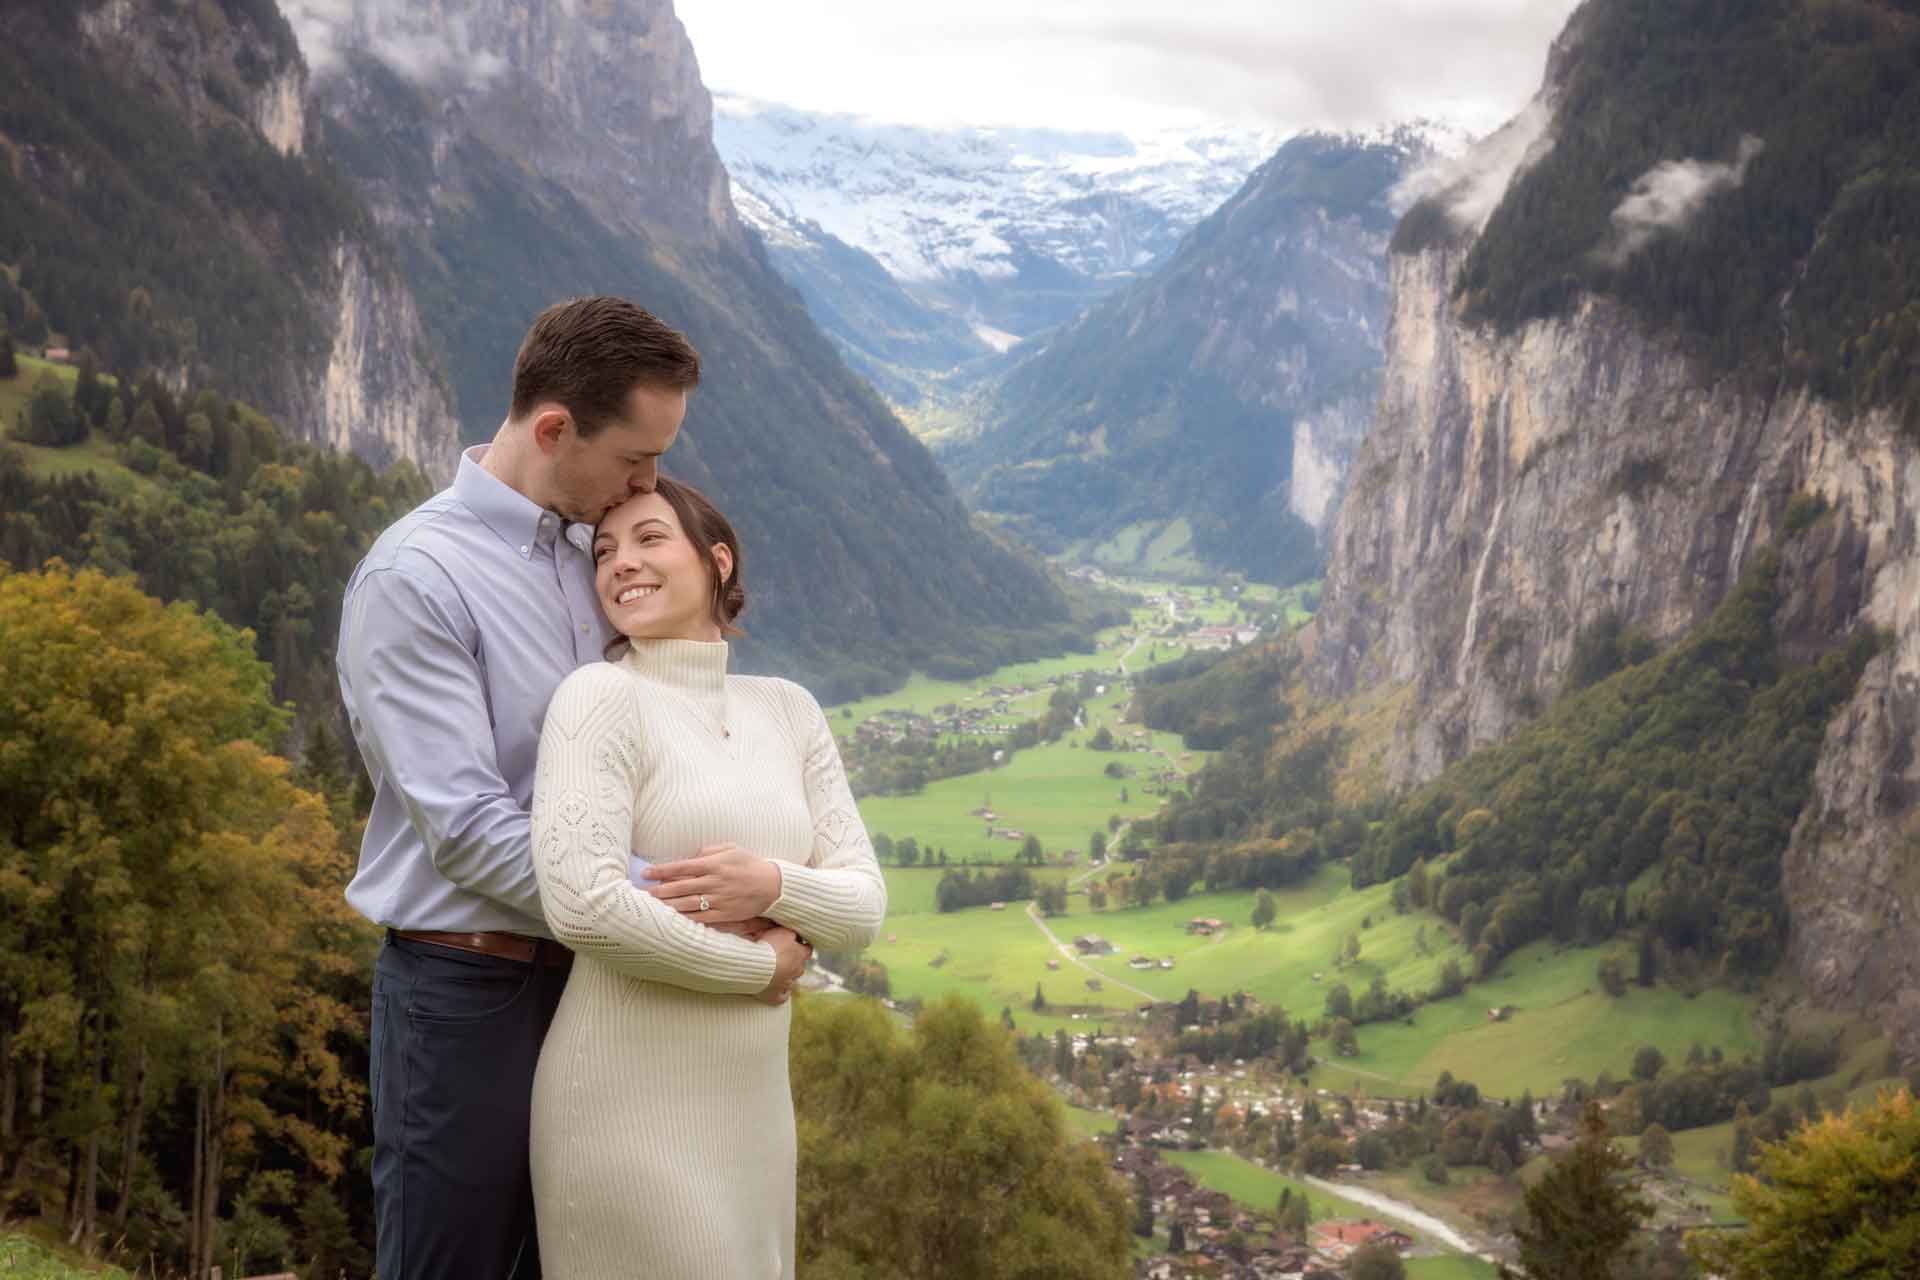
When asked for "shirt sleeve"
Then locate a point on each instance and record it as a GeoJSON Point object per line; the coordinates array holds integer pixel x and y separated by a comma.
{"type": "Point", "coordinates": [410, 649]}
{"type": "Point", "coordinates": [583, 796]}
{"type": "Point", "coordinates": [838, 899]}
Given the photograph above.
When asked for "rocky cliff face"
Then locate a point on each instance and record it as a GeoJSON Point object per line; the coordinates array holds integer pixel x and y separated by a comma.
{"type": "Point", "coordinates": [562, 87]}
{"type": "Point", "coordinates": [524, 153]}
{"type": "Point", "coordinates": [1516, 488]}
{"type": "Point", "coordinates": [363, 377]}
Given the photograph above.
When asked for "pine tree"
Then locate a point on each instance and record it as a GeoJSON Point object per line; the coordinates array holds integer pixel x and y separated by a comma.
{"type": "Point", "coordinates": [1582, 1213]}
{"type": "Point", "coordinates": [9, 367]}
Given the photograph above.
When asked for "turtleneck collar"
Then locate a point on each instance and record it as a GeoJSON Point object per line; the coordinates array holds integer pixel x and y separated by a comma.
{"type": "Point", "coordinates": [694, 669]}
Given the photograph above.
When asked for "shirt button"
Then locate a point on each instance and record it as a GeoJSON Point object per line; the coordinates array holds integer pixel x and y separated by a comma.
{"type": "Point", "coordinates": [583, 628]}
{"type": "Point", "coordinates": [525, 551]}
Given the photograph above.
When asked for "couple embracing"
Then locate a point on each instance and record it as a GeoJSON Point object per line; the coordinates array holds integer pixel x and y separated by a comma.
{"type": "Point", "coordinates": [601, 860]}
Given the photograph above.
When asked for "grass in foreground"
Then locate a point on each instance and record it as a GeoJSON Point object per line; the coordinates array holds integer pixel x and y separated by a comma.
{"type": "Point", "coordinates": [23, 1258]}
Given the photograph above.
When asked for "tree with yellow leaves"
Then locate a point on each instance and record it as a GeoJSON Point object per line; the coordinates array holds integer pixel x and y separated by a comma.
{"type": "Point", "coordinates": [937, 1155]}
{"type": "Point", "coordinates": [169, 897]}
{"type": "Point", "coordinates": [1839, 1197]}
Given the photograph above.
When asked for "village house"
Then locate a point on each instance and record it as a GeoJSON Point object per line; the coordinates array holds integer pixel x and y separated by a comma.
{"type": "Point", "coordinates": [1340, 1237]}
{"type": "Point", "coordinates": [1205, 926]}
{"type": "Point", "coordinates": [1092, 944]}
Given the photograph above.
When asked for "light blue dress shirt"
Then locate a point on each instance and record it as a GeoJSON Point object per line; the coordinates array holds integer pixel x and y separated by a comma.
{"type": "Point", "coordinates": [457, 627]}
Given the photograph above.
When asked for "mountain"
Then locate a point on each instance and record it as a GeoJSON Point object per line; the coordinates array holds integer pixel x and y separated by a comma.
{"type": "Point", "coordinates": [1208, 411]}
{"type": "Point", "coordinates": [980, 236]}
{"type": "Point", "coordinates": [164, 200]}
{"type": "Point", "coordinates": [1651, 340]}
{"type": "Point", "coordinates": [520, 153]}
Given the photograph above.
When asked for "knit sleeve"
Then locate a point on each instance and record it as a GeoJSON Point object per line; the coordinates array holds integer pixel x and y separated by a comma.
{"type": "Point", "coordinates": [588, 774]}
{"type": "Point", "coordinates": [838, 898]}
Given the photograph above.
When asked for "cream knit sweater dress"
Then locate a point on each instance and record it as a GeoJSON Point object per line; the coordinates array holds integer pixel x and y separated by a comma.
{"type": "Point", "coordinates": [663, 1139]}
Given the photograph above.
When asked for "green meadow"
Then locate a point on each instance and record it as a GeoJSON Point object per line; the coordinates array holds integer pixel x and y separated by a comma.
{"type": "Point", "coordinates": [1258, 1189]}
{"type": "Point", "coordinates": [994, 958]}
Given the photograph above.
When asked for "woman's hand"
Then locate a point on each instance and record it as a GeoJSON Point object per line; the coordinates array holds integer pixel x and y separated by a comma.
{"type": "Point", "coordinates": [790, 956]}
{"type": "Point", "coordinates": [724, 884]}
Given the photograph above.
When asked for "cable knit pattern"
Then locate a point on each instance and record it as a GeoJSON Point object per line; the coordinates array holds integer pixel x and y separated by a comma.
{"type": "Point", "coordinates": [663, 1137]}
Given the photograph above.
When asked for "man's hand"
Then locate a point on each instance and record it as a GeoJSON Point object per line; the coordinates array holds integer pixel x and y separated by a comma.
{"type": "Point", "coordinates": [725, 884]}
{"type": "Point", "coordinates": [790, 956]}
{"type": "Point", "coordinates": [754, 930]}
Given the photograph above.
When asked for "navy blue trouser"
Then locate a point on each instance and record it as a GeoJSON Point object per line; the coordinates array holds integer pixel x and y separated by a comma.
{"type": "Point", "coordinates": [456, 1037]}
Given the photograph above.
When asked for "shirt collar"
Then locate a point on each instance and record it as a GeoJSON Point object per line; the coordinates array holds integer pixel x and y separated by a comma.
{"type": "Point", "coordinates": [513, 516]}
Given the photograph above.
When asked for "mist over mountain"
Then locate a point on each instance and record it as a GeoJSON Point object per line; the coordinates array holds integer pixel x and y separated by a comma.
{"type": "Point", "coordinates": [918, 248]}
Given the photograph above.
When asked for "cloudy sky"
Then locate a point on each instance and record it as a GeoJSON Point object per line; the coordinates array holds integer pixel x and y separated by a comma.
{"type": "Point", "coordinates": [1131, 63]}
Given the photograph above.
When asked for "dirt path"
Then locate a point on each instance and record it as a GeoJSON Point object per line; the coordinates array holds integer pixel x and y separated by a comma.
{"type": "Point", "coordinates": [1066, 949]}
{"type": "Point", "coordinates": [1400, 1209]}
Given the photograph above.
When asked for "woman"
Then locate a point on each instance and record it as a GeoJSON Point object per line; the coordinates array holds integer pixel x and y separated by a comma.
{"type": "Point", "coordinates": [663, 1140]}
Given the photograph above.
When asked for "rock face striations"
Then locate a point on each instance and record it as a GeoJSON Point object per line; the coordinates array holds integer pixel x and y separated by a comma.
{"type": "Point", "coordinates": [1593, 456]}
{"type": "Point", "coordinates": [169, 210]}
{"type": "Point", "coordinates": [1229, 388]}
{"type": "Point", "coordinates": [524, 153]}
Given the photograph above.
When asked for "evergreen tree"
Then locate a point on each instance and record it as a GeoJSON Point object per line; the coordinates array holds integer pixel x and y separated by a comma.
{"type": "Point", "coordinates": [9, 367]}
{"type": "Point", "coordinates": [1582, 1213]}
{"type": "Point", "coordinates": [1656, 1146]}
{"type": "Point", "coordinates": [1177, 1237]}
{"type": "Point", "coordinates": [1142, 1208]}
{"type": "Point", "coordinates": [1263, 909]}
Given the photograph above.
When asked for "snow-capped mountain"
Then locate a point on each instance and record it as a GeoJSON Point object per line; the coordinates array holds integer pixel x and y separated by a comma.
{"type": "Point", "coordinates": [996, 233]}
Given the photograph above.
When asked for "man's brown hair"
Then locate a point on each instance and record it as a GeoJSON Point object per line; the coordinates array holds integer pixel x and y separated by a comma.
{"type": "Point", "coordinates": [589, 354]}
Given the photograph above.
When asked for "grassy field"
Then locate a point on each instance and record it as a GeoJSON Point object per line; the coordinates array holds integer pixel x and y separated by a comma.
{"type": "Point", "coordinates": [1256, 1188]}
{"type": "Point", "coordinates": [94, 455]}
{"type": "Point", "coordinates": [1059, 792]}
{"type": "Point", "coordinates": [1450, 1266]}
{"type": "Point", "coordinates": [23, 1258]}
{"type": "Point", "coordinates": [994, 958]}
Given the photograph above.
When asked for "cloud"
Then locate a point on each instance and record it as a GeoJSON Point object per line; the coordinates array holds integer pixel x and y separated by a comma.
{"type": "Point", "coordinates": [1667, 196]}
{"type": "Point", "coordinates": [410, 40]}
{"type": "Point", "coordinates": [1131, 63]}
{"type": "Point", "coordinates": [1472, 185]}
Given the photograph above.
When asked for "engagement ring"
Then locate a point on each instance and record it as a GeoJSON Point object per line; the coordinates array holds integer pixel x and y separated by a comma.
{"type": "Point", "coordinates": [703, 902]}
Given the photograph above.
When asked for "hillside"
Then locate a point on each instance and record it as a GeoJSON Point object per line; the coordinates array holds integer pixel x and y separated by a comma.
{"type": "Point", "coordinates": [861, 561]}
{"type": "Point", "coordinates": [1570, 445]}
{"type": "Point", "coordinates": [1228, 388]}
{"type": "Point", "coordinates": [163, 201]}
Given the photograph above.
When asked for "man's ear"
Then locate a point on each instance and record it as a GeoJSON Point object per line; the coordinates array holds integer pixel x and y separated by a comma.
{"type": "Point", "coordinates": [550, 426]}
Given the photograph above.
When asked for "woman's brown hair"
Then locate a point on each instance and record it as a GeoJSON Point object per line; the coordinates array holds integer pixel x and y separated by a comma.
{"type": "Point", "coordinates": [705, 528]}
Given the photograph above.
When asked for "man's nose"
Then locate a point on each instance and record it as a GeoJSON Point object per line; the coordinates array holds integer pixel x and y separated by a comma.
{"type": "Point", "coordinates": [644, 477]}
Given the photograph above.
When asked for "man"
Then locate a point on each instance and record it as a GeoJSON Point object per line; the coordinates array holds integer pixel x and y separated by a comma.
{"type": "Point", "coordinates": [457, 627]}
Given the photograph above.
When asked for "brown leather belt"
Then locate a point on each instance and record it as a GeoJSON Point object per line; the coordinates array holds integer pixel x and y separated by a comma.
{"type": "Point", "coordinates": [503, 946]}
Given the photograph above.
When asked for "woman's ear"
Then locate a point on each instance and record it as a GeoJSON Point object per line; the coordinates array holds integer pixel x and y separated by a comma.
{"type": "Point", "coordinates": [723, 561]}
